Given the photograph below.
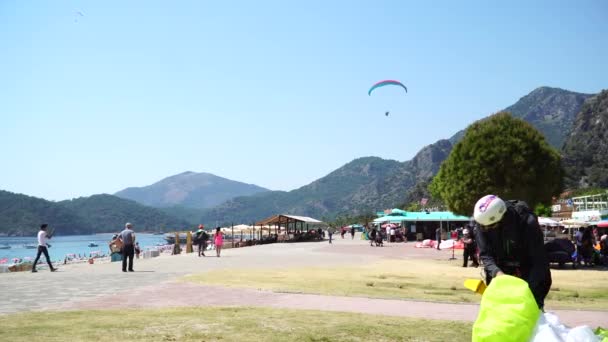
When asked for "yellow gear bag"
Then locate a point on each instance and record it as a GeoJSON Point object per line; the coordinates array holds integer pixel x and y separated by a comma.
{"type": "Point", "coordinates": [508, 312]}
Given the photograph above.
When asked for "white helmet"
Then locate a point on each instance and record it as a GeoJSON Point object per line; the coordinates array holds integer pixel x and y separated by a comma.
{"type": "Point", "coordinates": [489, 210]}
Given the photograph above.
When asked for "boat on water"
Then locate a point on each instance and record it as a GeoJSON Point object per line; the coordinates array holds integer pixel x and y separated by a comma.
{"type": "Point", "coordinates": [92, 244]}
{"type": "Point", "coordinates": [170, 238]}
{"type": "Point", "coordinates": [5, 247]}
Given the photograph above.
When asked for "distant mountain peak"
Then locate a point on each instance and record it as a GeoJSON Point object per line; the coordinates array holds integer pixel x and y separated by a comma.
{"type": "Point", "coordinates": [189, 189]}
{"type": "Point", "coordinates": [550, 110]}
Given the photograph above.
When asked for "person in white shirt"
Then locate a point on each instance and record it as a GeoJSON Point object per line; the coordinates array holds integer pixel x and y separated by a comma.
{"type": "Point", "coordinates": [43, 248]}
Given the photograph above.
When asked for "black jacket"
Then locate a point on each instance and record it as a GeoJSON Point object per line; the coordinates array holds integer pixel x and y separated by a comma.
{"type": "Point", "coordinates": [516, 247]}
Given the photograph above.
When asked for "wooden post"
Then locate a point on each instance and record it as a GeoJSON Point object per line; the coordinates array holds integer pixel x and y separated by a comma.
{"type": "Point", "coordinates": [189, 242]}
{"type": "Point", "coordinates": [176, 246]}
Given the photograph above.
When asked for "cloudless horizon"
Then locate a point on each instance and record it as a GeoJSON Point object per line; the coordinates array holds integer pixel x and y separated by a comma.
{"type": "Point", "coordinates": [99, 96]}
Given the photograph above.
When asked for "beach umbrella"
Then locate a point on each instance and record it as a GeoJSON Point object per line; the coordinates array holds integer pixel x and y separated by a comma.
{"type": "Point", "coordinates": [241, 227]}
{"type": "Point", "coordinates": [574, 222]}
{"type": "Point", "coordinates": [545, 221]}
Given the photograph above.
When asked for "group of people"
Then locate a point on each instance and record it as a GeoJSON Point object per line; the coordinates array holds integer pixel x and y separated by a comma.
{"type": "Point", "coordinates": [376, 237]}
{"type": "Point", "coordinates": [344, 230]}
{"type": "Point", "coordinates": [201, 238]}
{"type": "Point", "coordinates": [390, 233]}
{"type": "Point", "coordinates": [586, 238]}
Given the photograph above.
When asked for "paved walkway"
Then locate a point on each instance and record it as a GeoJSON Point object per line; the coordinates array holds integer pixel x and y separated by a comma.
{"type": "Point", "coordinates": [104, 286]}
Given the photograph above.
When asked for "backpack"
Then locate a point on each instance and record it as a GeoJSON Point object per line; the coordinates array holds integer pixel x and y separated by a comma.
{"type": "Point", "coordinates": [198, 237]}
{"type": "Point", "coordinates": [522, 209]}
{"type": "Point", "coordinates": [523, 213]}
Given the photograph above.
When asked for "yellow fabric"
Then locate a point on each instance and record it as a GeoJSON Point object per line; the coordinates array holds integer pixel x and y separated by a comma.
{"type": "Point", "coordinates": [508, 312]}
{"type": "Point", "coordinates": [475, 285]}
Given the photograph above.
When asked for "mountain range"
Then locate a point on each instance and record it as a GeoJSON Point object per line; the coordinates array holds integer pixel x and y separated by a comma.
{"type": "Point", "coordinates": [573, 123]}
{"type": "Point", "coordinates": [359, 187]}
{"type": "Point", "coordinates": [369, 184]}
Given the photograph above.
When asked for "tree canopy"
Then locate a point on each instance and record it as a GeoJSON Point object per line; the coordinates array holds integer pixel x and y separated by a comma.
{"type": "Point", "coordinates": [500, 155]}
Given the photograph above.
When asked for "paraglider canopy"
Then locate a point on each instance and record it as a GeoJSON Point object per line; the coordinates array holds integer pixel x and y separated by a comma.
{"type": "Point", "coordinates": [386, 83]}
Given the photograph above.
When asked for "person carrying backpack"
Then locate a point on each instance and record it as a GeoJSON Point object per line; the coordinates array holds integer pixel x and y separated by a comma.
{"type": "Point", "coordinates": [201, 238]}
{"type": "Point", "coordinates": [511, 242]}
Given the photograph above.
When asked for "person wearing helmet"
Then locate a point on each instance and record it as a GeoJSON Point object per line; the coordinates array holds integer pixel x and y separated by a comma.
{"type": "Point", "coordinates": [511, 242]}
{"type": "Point", "coordinates": [470, 246]}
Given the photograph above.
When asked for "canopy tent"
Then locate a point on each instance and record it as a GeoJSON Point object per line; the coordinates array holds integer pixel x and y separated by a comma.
{"type": "Point", "coordinates": [413, 216]}
{"type": "Point", "coordinates": [291, 223]}
{"type": "Point", "coordinates": [286, 219]}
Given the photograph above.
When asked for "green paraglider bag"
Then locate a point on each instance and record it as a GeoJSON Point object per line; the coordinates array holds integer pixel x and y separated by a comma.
{"type": "Point", "coordinates": [508, 311]}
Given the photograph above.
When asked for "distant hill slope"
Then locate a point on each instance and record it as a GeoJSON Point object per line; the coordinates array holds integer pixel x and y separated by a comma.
{"type": "Point", "coordinates": [107, 213]}
{"type": "Point", "coordinates": [22, 215]}
{"type": "Point", "coordinates": [361, 186]}
{"type": "Point", "coordinates": [549, 110]}
{"type": "Point", "coordinates": [191, 190]}
{"type": "Point", "coordinates": [586, 150]}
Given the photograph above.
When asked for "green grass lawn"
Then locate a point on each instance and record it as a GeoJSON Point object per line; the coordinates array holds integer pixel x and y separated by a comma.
{"type": "Point", "coordinates": [406, 279]}
{"type": "Point", "coordinates": [224, 324]}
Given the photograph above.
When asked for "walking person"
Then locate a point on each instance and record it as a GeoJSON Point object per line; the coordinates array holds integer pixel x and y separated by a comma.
{"type": "Point", "coordinates": [438, 237]}
{"type": "Point", "coordinates": [219, 241]}
{"type": "Point", "coordinates": [202, 237]}
{"type": "Point", "coordinates": [352, 232]}
{"type": "Point", "coordinates": [470, 247]}
{"type": "Point", "coordinates": [127, 237]}
{"type": "Point", "coordinates": [137, 250]}
{"type": "Point", "coordinates": [372, 237]}
{"type": "Point", "coordinates": [330, 232]}
{"type": "Point", "coordinates": [43, 237]}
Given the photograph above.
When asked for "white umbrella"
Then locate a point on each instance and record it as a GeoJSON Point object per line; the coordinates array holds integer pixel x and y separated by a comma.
{"type": "Point", "coordinates": [573, 222]}
{"type": "Point", "coordinates": [545, 221]}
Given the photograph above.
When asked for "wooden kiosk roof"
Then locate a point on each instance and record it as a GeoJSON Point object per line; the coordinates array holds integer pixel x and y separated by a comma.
{"type": "Point", "coordinates": [286, 219]}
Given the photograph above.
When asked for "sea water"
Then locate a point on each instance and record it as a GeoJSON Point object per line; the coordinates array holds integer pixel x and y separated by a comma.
{"type": "Point", "coordinates": [72, 244]}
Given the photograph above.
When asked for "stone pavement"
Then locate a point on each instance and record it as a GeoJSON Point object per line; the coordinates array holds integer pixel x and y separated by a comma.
{"type": "Point", "coordinates": [26, 291]}
{"type": "Point", "coordinates": [153, 285]}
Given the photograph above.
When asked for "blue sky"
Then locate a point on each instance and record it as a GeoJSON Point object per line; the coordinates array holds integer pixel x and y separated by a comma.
{"type": "Point", "coordinates": [266, 92]}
